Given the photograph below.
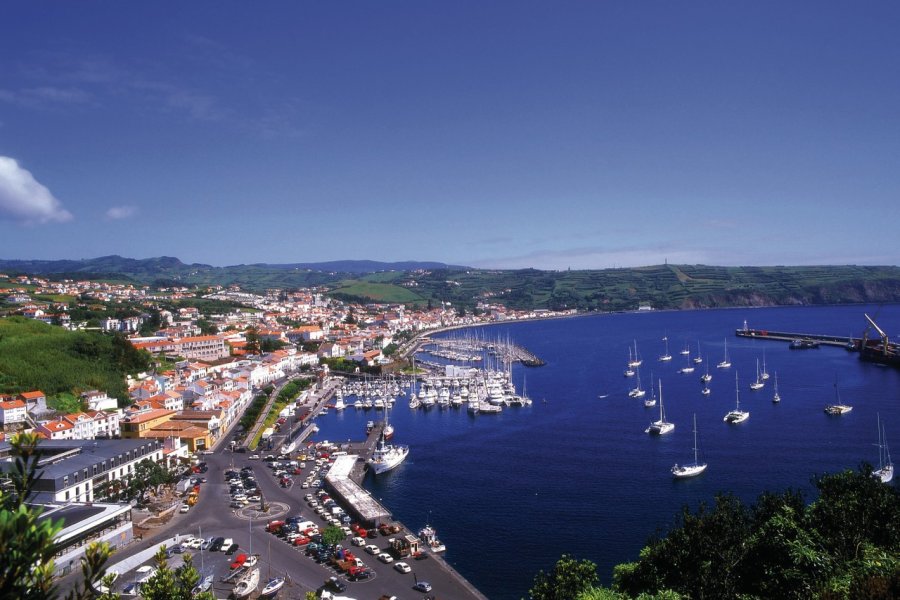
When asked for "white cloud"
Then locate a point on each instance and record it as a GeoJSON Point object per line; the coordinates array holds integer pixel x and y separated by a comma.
{"type": "Point", "coordinates": [24, 199]}
{"type": "Point", "coordinates": [117, 213]}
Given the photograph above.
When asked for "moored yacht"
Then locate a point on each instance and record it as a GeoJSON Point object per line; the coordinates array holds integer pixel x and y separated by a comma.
{"type": "Point", "coordinates": [885, 471]}
{"type": "Point", "coordinates": [661, 426]}
{"type": "Point", "coordinates": [737, 415]}
{"type": "Point", "coordinates": [387, 456]}
{"type": "Point", "coordinates": [693, 469]}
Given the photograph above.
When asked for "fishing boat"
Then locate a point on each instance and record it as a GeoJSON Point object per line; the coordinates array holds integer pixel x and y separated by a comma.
{"type": "Point", "coordinates": [885, 471]}
{"type": "Point", "coordinates": [666, 356]}
{"type": "Point", "coordinates": [387, 456]}
{"type": "Point", "coordinates": [246, 585]}
{"type": "Point", "coordinates": [693, 469]}
{"type": "Point", "coordinates": [725, 362]}
{"type": "Point", "coordinates": [428, 535]}
{"type": "Point", "coordinates": [776, 398]}
{"type": "Point", "coordinates": [737, 415]}
{"type": "Point", "coordinates": [272, 587]}
{"type": "Point", "coordinates": [661, 426]}
{"type": "Point", "coordinates": [838, 408]}
{"type": "Point", "coordinates": [759, 383]}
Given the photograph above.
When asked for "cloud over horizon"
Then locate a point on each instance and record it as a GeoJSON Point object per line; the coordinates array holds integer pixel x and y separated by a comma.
{"type": "Point", "coordinates": [25, 200]}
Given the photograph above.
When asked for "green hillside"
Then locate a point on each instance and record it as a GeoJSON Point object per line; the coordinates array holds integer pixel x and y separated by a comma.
{"type": "Point", "coordinates": [34, 355]}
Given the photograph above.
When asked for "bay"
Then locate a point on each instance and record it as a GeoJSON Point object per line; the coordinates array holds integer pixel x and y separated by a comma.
{"type": "Point", "coordinates": [575, 473]}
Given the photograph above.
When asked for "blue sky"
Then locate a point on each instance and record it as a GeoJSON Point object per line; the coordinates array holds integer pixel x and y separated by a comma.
{"type": "Point", "coordinates": [492, 134]}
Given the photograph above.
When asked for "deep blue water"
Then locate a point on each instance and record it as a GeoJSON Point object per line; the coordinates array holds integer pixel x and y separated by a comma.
{"type": "Point", "coordinates": [575, 473]}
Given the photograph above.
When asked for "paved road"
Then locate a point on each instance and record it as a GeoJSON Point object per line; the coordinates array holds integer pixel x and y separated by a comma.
{"type": "Point", "coordinates": [212, 516]}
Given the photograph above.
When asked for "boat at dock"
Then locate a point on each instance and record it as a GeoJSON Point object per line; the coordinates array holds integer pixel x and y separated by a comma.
{"type": "Point", "coordinates": [386, 457]}
{"type": "Point", "coordinates": [428, 535]}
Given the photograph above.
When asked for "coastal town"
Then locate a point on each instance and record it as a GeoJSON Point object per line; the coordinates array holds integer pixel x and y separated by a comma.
{"type": "Point", "coordinates": [211, 366]}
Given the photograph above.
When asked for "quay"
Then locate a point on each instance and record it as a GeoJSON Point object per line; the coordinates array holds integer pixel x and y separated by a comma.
{"type": "Point", "coordinates": [782, 336]}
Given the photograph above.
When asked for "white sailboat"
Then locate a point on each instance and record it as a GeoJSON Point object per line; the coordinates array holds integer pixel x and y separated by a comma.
{"type": "Point", "coordinates": [725, 362]}
{"type": "Point", "coordinates": [759, 383]}
{"type": "Point", "coordinates": [651, 401]}
{"type": "Point", "coordinates": [699, 358]}
{"type": "Point", "coordinates": [838, 408]}
{"type": "Point", "coordinates": [737, 415]}
{"type": "Point", "coordinates": [635, 361]}
{"type": "Point", "coordinates": [661, 426]}
{"type": "Point", "coordinates": [246, 585]}
{"type": "Point", "coordinates": [693, 469]}
{"type": "Point", "coordinates": [705, 391]}
{"type": "Point", "coordinates": [688, 367]}
{"type": "Point", "coordinates": [763, 374]}
{"type": "Point", "coordinates": [629, 370]}
{"type": "Point", "coordinates": [637, 392]}
{"type": "Point", "coordinates": [885, 472]}
{"type": "Point", "coordinates": [666, 356]}
{"type": "Point", "coordinates": [706, 377]}
{"type": "Point", "coordinates": [776, 398]}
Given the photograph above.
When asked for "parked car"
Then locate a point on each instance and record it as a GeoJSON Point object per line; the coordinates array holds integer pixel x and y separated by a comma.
{"type": "Point", "coordinates": [184, 508]}
{"type": "Point", "coordinates": [231, 549]}
{"type": "Point", "coordinates": [402, 567]}
{"type": "Point", "coordinates": [422, 586]}
{"type": "Point", "coordinates": [372, 549]}
{"type": "Point", "coordinates": [253, 457]}
{"type": "Point", "coordinates": [335, 584]}
{"type": "Point", "coordinates": [386, 558]}
{"type": "Point", "coordinates": [216, 544]}
{"type": "Point", "coordinates": [226, 543]}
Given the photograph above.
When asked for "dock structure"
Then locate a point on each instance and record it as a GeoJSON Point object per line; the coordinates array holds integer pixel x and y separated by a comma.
{"type": "Point", "coordinates": [362, 505]}
{"type": "Point", "coordinates": [783, 336]}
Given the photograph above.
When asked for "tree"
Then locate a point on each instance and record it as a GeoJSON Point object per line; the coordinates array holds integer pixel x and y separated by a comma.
{"type": "Point", "coordinates": [569, 578]}
{"type": "Point", "coordinates": [147, 476]}
{"type": "Point", "coordinates": [332, 535]}
{"type": "Point", "coordinates": [27, 542]}
{"type": "Point", "coordinates": [177, 584]}
{"type": "Point", "coordinates": [206, 327]}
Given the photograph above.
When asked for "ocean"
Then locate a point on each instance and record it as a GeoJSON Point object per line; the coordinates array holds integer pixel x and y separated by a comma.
{"type": "Point", "coordinates": [575, 473]}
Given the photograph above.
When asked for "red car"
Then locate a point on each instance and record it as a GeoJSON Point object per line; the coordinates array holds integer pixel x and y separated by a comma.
{"type": "Point", "coordinates": [239, 561]}
{"type": "Point", "coordinates": [301, 541]}
{"type": "Point", "coordinates": [274, 526]}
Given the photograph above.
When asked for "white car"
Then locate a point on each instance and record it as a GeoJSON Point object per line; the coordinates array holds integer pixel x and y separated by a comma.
{"type": "Point", "coordinates": [402, 567]}
{"type": "Point", "coordinates": [228, 542]}
{"type": "Point", "coordinates": [253, 457]}
{"type": "Point", "coordinates": [195, 543]}
{"type": "Point", "coordinates": [386, 558]}
{"type": "Point", "coordinates": [372, 549]}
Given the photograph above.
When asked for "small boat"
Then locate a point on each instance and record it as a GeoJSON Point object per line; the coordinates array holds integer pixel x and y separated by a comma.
{"type": "Point", "coordinates": [689, 367]}
{"type": "Point", "coordinates": [272, 587]}
{"type": "Point", "coordinates": [725, 362]}
{"type": "Point", "coordinates": [203, 586]}
{"type": "Point", "coordinates": [666, 356]}
{"type": "Point", "coordinates": [705, 391]}
{"type": "Point", "coordinates": [428, 535]}
{"type": "Point", "coordinates": [837, 408]}
{"type": "Point", "coordinates": [288, 448]}
{"type": "Point", "coordinates": [706, 377]}
{"type": "Point", "coordinates": [693, 469]}
{"type": "Point", "coordinates": [699, 358]}
{"type": "Point", "coordinates": [763, 374]}
{"type": "Point", "coordinates": [637, 392]}
{"type": "Point", "coordinates": [776, 398]}
{"type": "Point", "coordinates": [885, 471]}
{"type": "Point", "coordinates": [634, 361]}
{"type": "Point", "coordinates": [246, 585]}
{"type": "Point", "coordinates": [759, 383]}
{"type": "Point", "coordinates": [661, 426]}
{"type": "Point", "coordinates": [737, 415]}
{"type": "Point", "coordinates": [686, 351]}
{"type": "Point", "coordinates": [651, 401]}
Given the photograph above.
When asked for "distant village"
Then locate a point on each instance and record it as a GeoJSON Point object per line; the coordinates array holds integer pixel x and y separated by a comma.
{"type": "Point", "coordinates": [210, 379]}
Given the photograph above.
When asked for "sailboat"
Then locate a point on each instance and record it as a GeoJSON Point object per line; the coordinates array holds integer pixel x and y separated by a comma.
{"type": "Point", "coordinates": [706, 377]}
{"type": "Point", "coordinates": [685, 351]}
{"type": "Point", "coordinates": [246, 585]}
{"type": "Point", "coordinates": [661, 426]}
{"type": "Point", "coordinates": [651, 401]}
{"type": "Point", "coordinates": [759, 383]}
{"type": "Point", "coordinates": [693, 469]}
{"type": "Point", "coordinates": [885, 470]}
{"type": "Point", "coordinates": [725, 362]}
{"type": "Point", "coordinates": [629, 371]}
{"type": "Point", "coordinates": [699, 358]}
{"type": "Point", "coordinates": [688, 367]}
{"type": "Point", "coordinates": [272, 587]}
{"type": "Point", "coordinates": [635, 361]}
{"type": "Point", "coordinates": [637, 392]}
{"type": "Point", "coordinates": [764, 374]}
{"type": "Point", "coordinates": [705, 391]}
{"type": "Point", "coordinates": [837, 408]}
{"type": "Point", "coordinates": [666, 356]}
{"type": "Point", "coordinates": [737, 415]}
{"type": "Point", "coordinates": [776, 398]}
{"type": "Point", "coordinates": [388, 431]}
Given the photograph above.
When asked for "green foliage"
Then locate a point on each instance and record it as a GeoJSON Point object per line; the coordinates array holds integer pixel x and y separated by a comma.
{"type": "Point", "coordinates": [845, 545]}
{"type": "Point", "coordinates": [34, 355]}
{"type": "Point", "coordinates": [332, 535]}
{"type": "Point", "coordinates": [173, 584]}
{"type": "Point", "coordinates": [390, 349]}
{"type": "Point", "coordinates": [27, 541]}
{"type": "Point", "coordinates": [148, 475]}
{"type": "Point", "coordinates": [569, 578]}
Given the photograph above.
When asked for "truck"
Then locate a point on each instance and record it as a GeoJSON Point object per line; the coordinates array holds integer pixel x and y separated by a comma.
{"type": "Point", "coordinates": [193, 496]}
{"type": "Point", "coordinates": [408, 545]}
{"type": "Point", "coordinates": [387, 529]}
{"type": "Point", "coordinates": [267, 433]}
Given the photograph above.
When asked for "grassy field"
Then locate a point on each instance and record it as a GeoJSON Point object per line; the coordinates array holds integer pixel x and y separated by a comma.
{"type": "Point", "coordinates": [379, 292]}
{"type": "Point", "coordinates": [37, 356]}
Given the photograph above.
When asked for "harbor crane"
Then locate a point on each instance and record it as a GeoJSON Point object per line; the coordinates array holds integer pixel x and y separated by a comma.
{"type": "Point", "coordinates": [884, 337]}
